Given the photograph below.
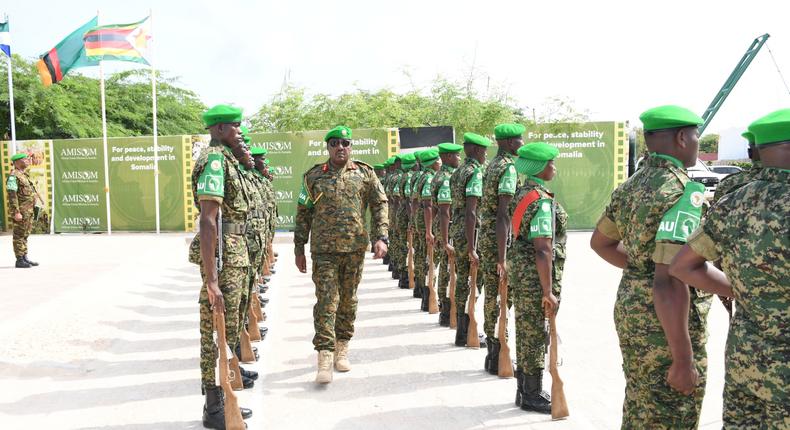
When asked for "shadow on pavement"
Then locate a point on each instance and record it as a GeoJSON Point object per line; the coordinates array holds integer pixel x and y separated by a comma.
{"type": "Point", "coordinates": [165, 425]}
{"type": "Point", "coordinates": [94, 369]}
{"type": "Point", "coordinates": [137, 326]}
{"type": "Point", "coordinates": [123, 346]}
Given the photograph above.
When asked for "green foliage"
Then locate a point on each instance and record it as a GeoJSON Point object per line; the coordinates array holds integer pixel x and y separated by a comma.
{"type": "Point", "coordinates": [72, 108]}
{"type": "Point", "coordinates": [709, 143]}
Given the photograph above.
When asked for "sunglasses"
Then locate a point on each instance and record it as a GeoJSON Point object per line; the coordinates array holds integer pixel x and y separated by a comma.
{"type": "Point", "coordinates": [333, 143]}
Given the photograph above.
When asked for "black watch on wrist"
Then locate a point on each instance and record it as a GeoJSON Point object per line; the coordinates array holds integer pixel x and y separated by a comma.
{"type": "Point", "coordinates": [384, 239]}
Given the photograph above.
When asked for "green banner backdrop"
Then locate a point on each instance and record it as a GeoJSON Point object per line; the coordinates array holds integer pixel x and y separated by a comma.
{"type": "Point", "coordinates": [80, 200]}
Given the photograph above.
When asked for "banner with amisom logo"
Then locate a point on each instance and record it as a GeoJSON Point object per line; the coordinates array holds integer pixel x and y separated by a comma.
{"type": "Point", "coordinates": [80, 200]}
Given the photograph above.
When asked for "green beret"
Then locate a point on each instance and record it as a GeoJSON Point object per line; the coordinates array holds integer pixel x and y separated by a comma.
{"type": "Point", "coordinates": [390, 161]}
{"type": "Point", "coordinates": [506, 131]}
{"type": "Point", "coordinates": [669, 116]}
{"type": "Point", "coordinates": [221, 114]}
{"type": "Point", "coordinates": [772, 128]}
{"type": "Point", "coordinates": [749, 136]}
{"type": "Point", "coordinates": [339, 132]}
{"type": "Point", "coordinates": [449, 148]}
{"type": "Point", "coordinates": [408, 158]}
{"type": "Point", "coordinates": [429, 156]}
{"type": "Point", "coordinates": [476, 139]}
{"type": "Point", "coordinates": [258, 150]}
{"type": "Point", "coordinates": [18, 156]}
{"type": "Point", "coordinates": [378, 166]}
{"type": "Point", "coordinates": [533, 157]}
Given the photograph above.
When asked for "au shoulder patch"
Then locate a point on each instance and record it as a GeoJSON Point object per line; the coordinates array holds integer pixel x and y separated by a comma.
{"type": "Point", "coordinates": [508, 180]}
{"type": "Point", "coordinates": [212, 180]}
{"type": "Point", "coordinates": [474, 187]}
{"type": "Point", "coordinates": [683, 218]}
{"type": "Point", "coordinates": [542, 223]}
{"type": "Point", "coordinates": [11, 184]}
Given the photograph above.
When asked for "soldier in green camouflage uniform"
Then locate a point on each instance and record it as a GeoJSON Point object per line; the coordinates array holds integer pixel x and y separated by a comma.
{"type": "Point", "coordinates": [392, 202]}
{"type": "Point", "coordinates": [331, 203]}
{"type": "Point", "coordinates": [535, 264]}
{"type": "Point", "coordinates": [402, 216]}
{"type": "Point", "coordinates": [385, 182]}
{"type": "Point", "coordinates": [22, 196]}
{"type": "Point", "coordinates": [466, 188]}
{"type": "Point", "coordinates": [737, 180]}
{"type": "Point", "coordinates": [748, 232]}
{"type": "Point", "coordinates": [440, 197]}
{"type": "Point", "coordinates": [646, 223]}
{"type": "Point", "coordinates": [421, 200]}
{"type": "Point", "coordinates": [499, 186]}
{"type": "Point", "coordinates": [217, 186]}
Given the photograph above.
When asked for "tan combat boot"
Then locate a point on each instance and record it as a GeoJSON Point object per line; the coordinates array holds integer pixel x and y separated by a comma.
{"type": "Point", "coordinates": [324, 375]}
{"type": "Point", "coordinates": [341, 356]}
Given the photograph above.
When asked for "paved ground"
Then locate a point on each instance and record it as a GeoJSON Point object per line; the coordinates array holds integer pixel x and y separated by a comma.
{"type": "Point", "coordinates": [104, 335]}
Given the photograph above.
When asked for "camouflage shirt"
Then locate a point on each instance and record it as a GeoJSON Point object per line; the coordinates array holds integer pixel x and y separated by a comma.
{"type": "Point", "coordinates": [749, 231]}
{"type": "Point", "coordinates": [500, 178]}
{"type": "Point", "coordinates": [257, 211]}
{"type": "Point", "coordinates": [422, 181]}
{"type": "Point", "coordinates": [331, 208]}
{"type": "Point", "coordinates": [544, 217]}
{"type": "Point", "coordinates": [21, 193]}
{"type": "Point", "coordinates": [736, 180]}
{"type": "Point", "coordinates": [466, 181]}
{"type": "Point", "coordinates": [217, 177]}
{"type": "Point", "coordinates": [440, 192]}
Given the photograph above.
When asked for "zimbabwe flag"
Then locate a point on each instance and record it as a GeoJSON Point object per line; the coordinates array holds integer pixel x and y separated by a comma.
{"type": "Point", "coordinates": [119, 42]}
{"type": "Point", "coordinates": [66, 55]}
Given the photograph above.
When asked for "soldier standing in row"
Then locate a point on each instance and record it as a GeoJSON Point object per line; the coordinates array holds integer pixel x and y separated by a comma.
{"type": "Point", "coordinates": [535, 265]}
{"type": "Point", "coordinates": [22, 196]}
{"type": "Point", "coordinates": [417, 221]}
{"type": "Point", "coordinates": [386, 182]}
{"type": "Point", "coordinates": [661, 329]}
{"type": "Point", "coordinates": [466, 186]}
{"type": "Point", "coordinates": [330, 213]}
{"type": "Point", "coordinates": [737, 180]}
{"type": "Point", "coordinates": [748, 232]}
{"type": "Point", "coordinates": [218, 188]}
{"type": "Point", "coordinates": [429, 160]}
{"type": "Point", "coordinates": [499, 186]}
{"type": "Point", "coordinates": [440, 228]}
{"type": "Point", "coordinates": [393, 205]}
{"type": "Point", "coordinates": [407, 162]}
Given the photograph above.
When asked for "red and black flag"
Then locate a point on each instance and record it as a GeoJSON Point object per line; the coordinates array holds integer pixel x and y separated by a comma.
{"type": "Point", "coordinates": [66, 55]}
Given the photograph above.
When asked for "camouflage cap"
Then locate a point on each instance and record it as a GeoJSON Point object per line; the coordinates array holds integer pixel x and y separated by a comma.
{"type": "Point", "coordinates": [772, 128]}
{"type": "Point", "coordinates": [339, 132]}
{"type": "Point", "coordinates": [669, 116]}
{"type": "Point", "coordinates": [222, 114]}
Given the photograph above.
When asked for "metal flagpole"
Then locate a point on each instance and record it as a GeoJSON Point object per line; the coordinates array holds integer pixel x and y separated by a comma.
{"type": "Point", "coordinates": [156, 137]}
{"type": "Point", "coordinates": [104, 141]}
{"type": "Point", "coordinates": [11, 103]}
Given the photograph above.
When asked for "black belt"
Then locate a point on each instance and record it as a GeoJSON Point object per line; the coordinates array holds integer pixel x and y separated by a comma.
{"type": "Point", "coordinates": [234, 228]}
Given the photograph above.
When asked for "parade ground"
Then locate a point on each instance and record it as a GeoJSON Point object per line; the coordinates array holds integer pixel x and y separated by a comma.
{"type": "Point", "coordinates": [104, 335]}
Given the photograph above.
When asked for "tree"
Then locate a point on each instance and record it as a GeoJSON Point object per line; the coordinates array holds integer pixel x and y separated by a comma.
{"type": "Point", "coordinates": [72, 108]}
{"type": "Point", "coordinates": [709, 143]}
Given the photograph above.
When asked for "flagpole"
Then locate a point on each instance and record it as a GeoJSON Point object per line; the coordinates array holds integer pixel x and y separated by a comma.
{"type": "Point", "coordinates": [11, 102]}
{"type": "Point", "coordinates": [156, 134]}
{"type": "Point", "coordinates": [104, 142]}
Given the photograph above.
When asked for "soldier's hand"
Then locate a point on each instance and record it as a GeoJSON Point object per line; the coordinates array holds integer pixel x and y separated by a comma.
{"type": "Point", "coordinates": [301, 263]}
{"type": "Point", "coordinates": [430, 238]}
{"type": "Point", "coordinates": [215, 298]}
{"type": "Point", "coordinates": [550, 304]}
{"type": "Point", "coordinates": [379, 249]}
{"type": "Point", "coordinates": [450, 250]}
{"type": "Point", "coordinates": [683, 377]}
{"type": "Point", "coordinates": [474, 259]}
{"type": "Point", "coordinates": [17, 217]}
{"type": "Point", "coordinates": [501, 270]}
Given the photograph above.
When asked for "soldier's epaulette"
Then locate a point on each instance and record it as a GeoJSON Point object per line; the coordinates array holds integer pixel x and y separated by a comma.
{"type": "Point", "coordinates": [362, 163]}
{"type": "Point", "coordinates": [320, 166]}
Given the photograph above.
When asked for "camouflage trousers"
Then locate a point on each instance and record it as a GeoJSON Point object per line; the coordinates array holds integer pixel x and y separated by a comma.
{"type": "Point", "coordinates": [488, 259]}
{"type": "Point", "coordinates": [256, 253]}
{"type": "Point", "coordinates": [420, 256]}
{"type": "Point", "coordinates": [21, 232]}
{"type": "Point", "coordinates": [232, 283]}
{"type": "Point", "coordinates": [462, 273]}
{"type": "Point", "coordinates": [649, 401]}
{"type": "Point", "coordinates": [336, 278]}
{"type": "Point", "coordinates": [441, 273]}
{"type": "Point", "coordinates": [531, 330]}
{"type": "Point", "coordinates": [744, 410]}
{"type": "Point", "coordinates": [394, 248]}
{"type": "Point", "coordinates": [403, 249]}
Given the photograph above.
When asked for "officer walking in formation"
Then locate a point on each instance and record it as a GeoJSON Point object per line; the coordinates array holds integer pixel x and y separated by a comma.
{"type": "Point", "coordinates": [330, 213]}
{"type": "Point", "coordinates": [22, 197]}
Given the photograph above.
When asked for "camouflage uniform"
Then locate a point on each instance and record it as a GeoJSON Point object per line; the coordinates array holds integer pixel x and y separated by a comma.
{"type": "Point", "coordinates": [500, 178]}
{"type": "Point", "coordinates": [736, 180]}
{"type": "Point", "coordinates": [420, 246]}
{"type": "Point", "coordinates": [270, 216]}
{"type": "Point", "coordinates": [638, 215]}
{"type": "Point", "coordinates": [396, 238]}
{"type": "Point", "coordinates": [331, 210]}
{"type": "Point", "coordinates": [523, 273]}
{"type": "Point", "coordinates": [440, 193]}
{"type": "Point", "coordinates": [403, 189]}
{"type": "Point", "coordinates": [256, 235]}
{"type": "Point", "coordinates": [21, 198]}
{"type": "Point", "coordinates": [217, 177]}
{"type": "Point", "coordinates": [748, 231]}
{"type": "Point", "coordinates": [466, 181]}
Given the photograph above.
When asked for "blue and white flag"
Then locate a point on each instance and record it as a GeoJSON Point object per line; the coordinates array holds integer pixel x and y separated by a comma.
{"type": "Point", "coordinates": [5, 38]}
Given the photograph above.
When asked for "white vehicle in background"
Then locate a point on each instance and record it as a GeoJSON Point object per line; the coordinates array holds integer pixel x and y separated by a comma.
{"type": "Point", "coordinates": [725, 170]}
{"type": "Point", "coordinates": [702, 174]}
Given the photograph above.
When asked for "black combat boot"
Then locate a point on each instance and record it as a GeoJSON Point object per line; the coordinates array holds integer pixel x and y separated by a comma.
{"type": "Point", "coordinates": [461, 329]}
{"type": "Point", "coordinates": [403, 281]}
{"type": "Point", "coordinates": [389, 267]}
{"type": "Point", "coordinates": [417, 292]}
{"type": "Point", "coordinates": [395, 272]}
{"type": "Point", "coordinates": [21, 263]}
{"type": "Point", "coordinates": [214, 410]}
{"type": "Point", "coordinates": [251, 374]}
{"type": "Point", "coordinates": [519, 386]}
{"type": "Point", "coordinates": [32, 263]}
{"type": "Point", "coordinates": [534, 398]}
{"type": "Point", "coordinates": [493, 365]}
{"type": "Point", "coordinates": [487, 361]}
{"type": "Point", "coordinates": [444, 313]}
{"type": "Point", "coordinates": [386, 260]}
{"type": "Point", "coordinates": [426, 296]}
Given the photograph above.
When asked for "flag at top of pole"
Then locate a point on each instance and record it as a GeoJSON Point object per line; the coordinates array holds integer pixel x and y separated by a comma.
{"type": "Point", "coordinates": [119, 42]}
{"type": "Point", "coordinates": [5, 38]}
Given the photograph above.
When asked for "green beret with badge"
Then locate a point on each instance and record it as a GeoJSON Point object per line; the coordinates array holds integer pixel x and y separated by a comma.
{"type": "Point", "coordinates": [339, 132]}
{"type": "Point", "coordinates": [669, 117]}
{"type": "Point", "coordinates": [222, 114]}
{"type": "Point", "coordinates": [449, 148]}
{"type": "Point", "coordinates": [533, 157]}
{"type": "Point", "coordinates": [507, 131]}
{"type": "Point", "coordinates": [407, 161]}
{"type": "Point", "coordinates": [772, 128]}
{"type": "Point", "coordinates": [18, 156]}
{"type": "Point", "coordinates": [429, 156]}
{"type": "Point", "coordinates": [476, 139]}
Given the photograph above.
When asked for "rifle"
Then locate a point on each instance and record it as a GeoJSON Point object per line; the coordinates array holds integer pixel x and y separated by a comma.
{"type": "Point", "coordinates": [453, 279]}
{"type": "Point", "coordinates": [505, 365]}
{"type": "Point", "coordinates": [247, 354]}
{"type": "Point", "coordinates": [235, 375]}
{"type": "Point", "coordinates": [559, 406]}
{"type": "Point", "coordinates": [433, 303]}
{"type": "Point", "coordinates": [472, 341]}
{"type": "Point", "coordinates": [254, 332]}
{"type": "Point", "coordinates": [233, 420]}
{"type": "Point", "coordinates": [410, 257]}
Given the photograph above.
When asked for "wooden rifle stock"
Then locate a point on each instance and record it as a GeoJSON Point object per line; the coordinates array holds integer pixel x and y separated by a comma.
{"type": "Point", "coordinates": [433, 302]}
{"type": "Point", "coordinates": [472, 341]}
{"type": "Point", "coordinates": [505, 364]}
{"type": "Point", "coordinates": [410, 257]}
{"type": "Point", "coordinates": [247, 355]}
{"type": "Point", "coordinates": [559, 406]}
{"type": "Point", "coordinates": [233, 420]}
{"type": "Point", "coordinates": [253, 331]}
{"type": "Point", "coordinates": [453, 279]}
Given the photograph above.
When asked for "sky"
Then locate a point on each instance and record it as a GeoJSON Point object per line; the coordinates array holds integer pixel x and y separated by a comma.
{"type": "Point", "coordinates": [612, 59]}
